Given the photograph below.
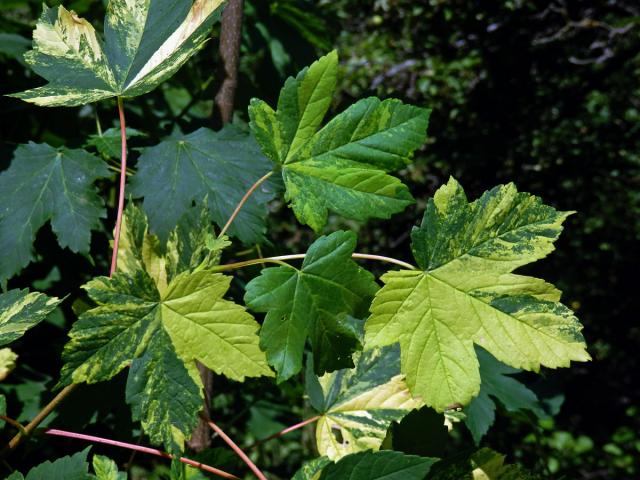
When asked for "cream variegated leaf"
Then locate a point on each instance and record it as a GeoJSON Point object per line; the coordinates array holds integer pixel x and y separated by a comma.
{"type": "Point", "coordinates": [145, 43]}
{"type": "Point", "coordinates": [465, 293]}
{"type": "Point", "coordinates": [20, 311]}
{"type": "Point", "coordinates": [358, 405]}
{"type": "Point", "coordinates": [160, 313]}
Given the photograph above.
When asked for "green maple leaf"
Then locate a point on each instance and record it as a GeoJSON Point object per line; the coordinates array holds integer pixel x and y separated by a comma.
{"type": "Point", "coordinates": [513, 395]}
{"type": "Point", "coordinates": [342, 166]}
{"type": "Point", "coordinates": [359, 403]}
{"type": "Point", "coordinates": [109, 142]}
{"type": "Point", "coordinates": [145, 43]}
{"type": "Point", "coordinates": [312, 302]}
{"type": "Point", "coordinates": [162, 312]}
{"type": "Point", "coordinates": [73, 467]}
{"type": "Point", "coordinates": [218, 165]}
{"type": "Point", "coordinates": [387, 465]}
{"type": "Point", "coordinates": [45, 183]}
{"type": "Point", "coordinates": [465, 293]}
{"type": "Point", "coordinates": [20, 311]}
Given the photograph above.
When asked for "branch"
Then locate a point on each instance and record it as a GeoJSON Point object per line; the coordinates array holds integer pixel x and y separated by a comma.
{"type": "Point", "coordinates": [138, 448]}
{"type": "Point", "coordinates": [33, 424]}
{"type": "Point", "coordinates": [237, 449]}
{"type": "Point", "coordinates": [230, 36]}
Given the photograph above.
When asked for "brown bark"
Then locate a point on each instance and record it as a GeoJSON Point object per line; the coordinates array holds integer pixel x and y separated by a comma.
{"type": "Point", "coordinates": [230, 36]}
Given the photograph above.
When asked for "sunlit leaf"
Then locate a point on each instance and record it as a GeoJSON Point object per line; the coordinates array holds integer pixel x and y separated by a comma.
{"type": "Point", "coordinates": [160, 324]}
{"type": "Point", "coordinates": [106, 469]}
{"type": "Point", "coordinates": [145, 43]}
{"type": "Point", "coordinates": [312, 469]}
{"type": "Point", "coordinates": [465, 293]}
{"type": "Point", "coordinates": [342, 166]}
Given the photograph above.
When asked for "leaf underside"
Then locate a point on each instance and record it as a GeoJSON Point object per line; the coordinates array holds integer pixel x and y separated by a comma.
{"type": "Point", "coordinates": [465, 293]}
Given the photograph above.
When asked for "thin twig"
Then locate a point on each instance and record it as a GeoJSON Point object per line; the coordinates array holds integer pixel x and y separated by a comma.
{"type": "Point", "coordinates": [131, 446]}
{"type": "Point", "coordinates": [14, 423]}
{"type": "Point", "coordinates": [33, 424]}
{"type": "Point", "coordinates": [123, 181]}
{"type": "Point", "coordinates": [281, 259]}
{"type": "Point", "coordinates": [237, 449]}
{"type": "Point", "coordinates": [244, 199]}
{"type": "Point", "coordinates": [285, 431]}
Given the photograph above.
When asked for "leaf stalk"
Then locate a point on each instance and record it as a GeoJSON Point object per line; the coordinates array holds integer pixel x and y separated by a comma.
{"type": "Point", "coordinates": [304, 423]}
{"type": "Point", "coordinates": [243, 456]}
{"type": "Point", "coordinates": [242, 201]}
{"type": "Point", "coordinates": [123, 181]}
{"type": "Point", "coordinates": [282, 259]}
{"type": "Point", "coordinates": [139, 448]}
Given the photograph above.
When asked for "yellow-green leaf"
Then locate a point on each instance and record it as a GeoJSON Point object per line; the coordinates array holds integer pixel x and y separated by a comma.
{"type": "Point", "coordinates": [466, 294]}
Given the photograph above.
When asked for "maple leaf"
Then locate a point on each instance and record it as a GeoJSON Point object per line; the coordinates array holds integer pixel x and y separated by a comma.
{"type": "Point", "coordinates": [359, 403]}
{"type": "Point", "coordinates": [497, 383]}
{"type": "Point", "coordinates": [312, 302]}
{"type": "Point", "coordinates": [387, 465]}
{"type": "Point", "coordinates": [220, 166]}
{"type": "Point", "coordinates": [465, 293]}
{"type": "Point", "coordinates": [109, 142]}
{"type": "Point", "coordinates": [162, 314]}
{"type": "Point", "coordinates": [145, 43]}
{"type": "Point", "coordinates": [20, 311]}
{"type": "Point", "coordinates": [342, 166]}
{"type": "Point", "coordinates": [45, 183]}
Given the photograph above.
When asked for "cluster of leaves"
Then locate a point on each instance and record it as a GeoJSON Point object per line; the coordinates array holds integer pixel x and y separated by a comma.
{"type": "Point", "coordinates": [542, 94]}
{"type": "Point", "coordinates": [435, 335]}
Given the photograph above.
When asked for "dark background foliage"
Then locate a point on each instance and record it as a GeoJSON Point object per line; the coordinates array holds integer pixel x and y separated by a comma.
{"type": "Point", "coordinates": [545, 94]}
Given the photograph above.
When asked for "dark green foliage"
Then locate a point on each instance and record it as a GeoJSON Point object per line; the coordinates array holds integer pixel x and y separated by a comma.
{"type": "Point", "coordinates": [218, 166]}
{"type": "Point", "coordinates": [48, 184]}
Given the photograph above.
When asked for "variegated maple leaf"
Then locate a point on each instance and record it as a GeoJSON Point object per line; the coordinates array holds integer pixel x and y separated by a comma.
{"type": "Point", "coordinates": [145, 43]}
